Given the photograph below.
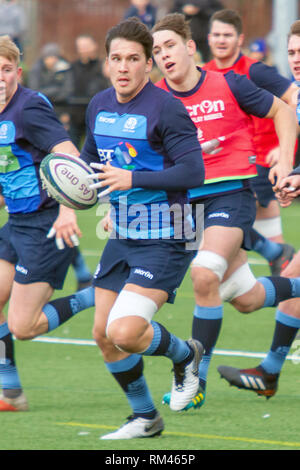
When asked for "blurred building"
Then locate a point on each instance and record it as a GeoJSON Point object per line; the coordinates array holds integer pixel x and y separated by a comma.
{"type": "Point", "coordinates": [61, 21]}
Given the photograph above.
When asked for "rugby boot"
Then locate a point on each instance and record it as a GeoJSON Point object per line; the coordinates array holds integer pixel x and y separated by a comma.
{"type": "Point", "coordinates": [278, 264]}
{"type": "Point", "coordinates": [186, 378]}
{"type": "Point", "coordinates": [195, 402]}
{"type": "Point", "coordinates": [137, 427]}
{"type": "Point", "coordinates": [13, 404]}
{"type": "Point", "coordinates": [256, 379]}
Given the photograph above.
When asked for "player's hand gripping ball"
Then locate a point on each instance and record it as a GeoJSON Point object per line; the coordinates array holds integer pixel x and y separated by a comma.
{"type": "Point", "coordinates": [64, 178]}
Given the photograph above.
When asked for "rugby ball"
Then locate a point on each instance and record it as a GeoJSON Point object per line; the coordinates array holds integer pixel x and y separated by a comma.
{"type": "Point", "coordinates": [64, 178]}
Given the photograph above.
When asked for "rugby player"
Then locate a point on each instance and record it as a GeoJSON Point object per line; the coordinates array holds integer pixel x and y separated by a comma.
{"type": "Point", "coordinates": [225, 40]}
{"type": "Point", "coordinates": [220, 270]}
{"type": "Point", "coordinates": [31, 265]}
{"type": "Point", "coordinates": [146, 147]}
{"type": "Point", "coordinates": [264, 378]}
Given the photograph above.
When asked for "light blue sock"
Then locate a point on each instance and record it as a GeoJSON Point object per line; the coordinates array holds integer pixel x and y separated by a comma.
{"type": "Point", "coordinates": [268, 249]}
{"type": "Point", "coordinates": [128, 373]}
{"type": "Point", "coordinates": [9, 376]}
{"type": "Point", "coordinates": [286, 329]}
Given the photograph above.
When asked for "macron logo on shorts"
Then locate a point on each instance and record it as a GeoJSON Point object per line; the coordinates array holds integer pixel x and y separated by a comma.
{"type": "Point", "coordinates": [21, 270]}
{"type": "Point", "coordinates": [141, 272]}
{"type": "Point", "coordinates": [219, 214]}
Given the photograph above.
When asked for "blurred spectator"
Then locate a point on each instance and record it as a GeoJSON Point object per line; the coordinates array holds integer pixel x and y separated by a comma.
{"type": "Point", "coordinates": [144, 10]}
{"type": "Point", "coordinates": [258, 49]}
{"type": "Point", "coordinates": [52, 76]}
{"type": "Point", "coordinates": [198, 13]}
{"type": "Point", "coordinates": [13, 21]}
{"type": "Point", "coordinates": [88, 77]}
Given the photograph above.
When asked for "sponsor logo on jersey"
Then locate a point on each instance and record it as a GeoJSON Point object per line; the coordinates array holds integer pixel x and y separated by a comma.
{"type": "Point", "coordinates": [130, 124]}
{"type": "Point", "coordinates": [219, 214]}
{"type": "Point", "coordinates": [7, 132]}
{"type": "Point", "coordinates": [105, 154]}
{"type": "Point", "coordinates": [207, 110]}
{"type": "Point", "coordinates": [107, 120]}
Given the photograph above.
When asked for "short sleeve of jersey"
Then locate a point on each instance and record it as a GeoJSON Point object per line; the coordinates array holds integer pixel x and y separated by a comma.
{"type": "Point", "coordinates": [41, 125]}
{"type": "Point", "coordinates": [269, 79]}
{"type": "Point", "coordinates": [252, 99]}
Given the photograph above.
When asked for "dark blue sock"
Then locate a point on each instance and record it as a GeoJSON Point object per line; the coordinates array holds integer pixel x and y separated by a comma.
{"type": "Point", "coordinates": [279, 288]}
{"type": "Point", "coordinates": [129, 374]}
{"type": "Point", "coordinates": [9, 376]}
{"type": "Point", "coordinates": [168, 345]}
{"type": "Point", "coordinates": [285, 332]}
{"type": "Point", "coordinates": [59, 311]}
{"type": "Point", "coordinates": [266, 248]}
{"type": "Point", "coordinates": [207, 324]}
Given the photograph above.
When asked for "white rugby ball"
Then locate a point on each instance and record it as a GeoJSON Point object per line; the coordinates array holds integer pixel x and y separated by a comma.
{"type": "Point", "coordinates": [64, 178]}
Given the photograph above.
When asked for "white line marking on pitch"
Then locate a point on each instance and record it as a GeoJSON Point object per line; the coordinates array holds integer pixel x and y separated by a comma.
{"type": "Point", "coordinates": [90, 342]}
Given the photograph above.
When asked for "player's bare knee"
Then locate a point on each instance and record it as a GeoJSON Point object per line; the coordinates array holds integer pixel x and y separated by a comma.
{"type": "Point", "coordinates": [291, 307]}
{"type": "Point", "coordinates": [124, 335]}
{"type": "Point", "coordinates": [129, 319]}
{"type": "Point", "coordinates": [21, 332]}
{"type": "Point", "coordinates": [204, 280]}
{"type": "Point", "coordinates": [243, 305]}
{"type": "Point", "coordinates": [121, 339]}
{"type": "Point", "coordinates": [251, 301]}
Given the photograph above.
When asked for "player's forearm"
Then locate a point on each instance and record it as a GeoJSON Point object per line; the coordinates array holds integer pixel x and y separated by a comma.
{"type": "Point", "coordinates": [286, 128]}
{"type": "Point", "coordinates": [186, 174]}
{"type": "Point", "coordinates": [66, 147]}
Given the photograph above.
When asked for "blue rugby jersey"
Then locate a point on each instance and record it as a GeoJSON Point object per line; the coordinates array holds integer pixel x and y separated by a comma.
{"type": "Point", "coordinates": [29, 129]}
{"type": "Point", "coordinates": [150, 135]}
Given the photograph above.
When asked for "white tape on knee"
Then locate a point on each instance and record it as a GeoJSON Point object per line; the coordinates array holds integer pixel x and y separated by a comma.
{"type": "Point", "coordinates": [240, 282]}
{"type": "Point", "coordinates": [210, 260]}
{"type": "Point", "coordinates": [269, 227]}
{"type": "Point", "coordinates": [132, 304]}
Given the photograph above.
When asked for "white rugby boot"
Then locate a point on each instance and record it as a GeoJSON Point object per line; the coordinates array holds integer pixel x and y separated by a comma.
{"type": "Point", "coordinates": [137, 427]}
{"type": "Point", "coordinates": [186, 378]}
{"type": "Point", "coordinates": [13, 404]}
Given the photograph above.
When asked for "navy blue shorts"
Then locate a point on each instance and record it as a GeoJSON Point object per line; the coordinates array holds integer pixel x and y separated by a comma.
{"type": "Point", "coordinates": [262, 186]}
{"type": "Point", "coordinates": [155, 264]}
{"type": "Point", "coordinates": [237, 209]}
{"type": "Point", "coordinates": [24, 243]}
